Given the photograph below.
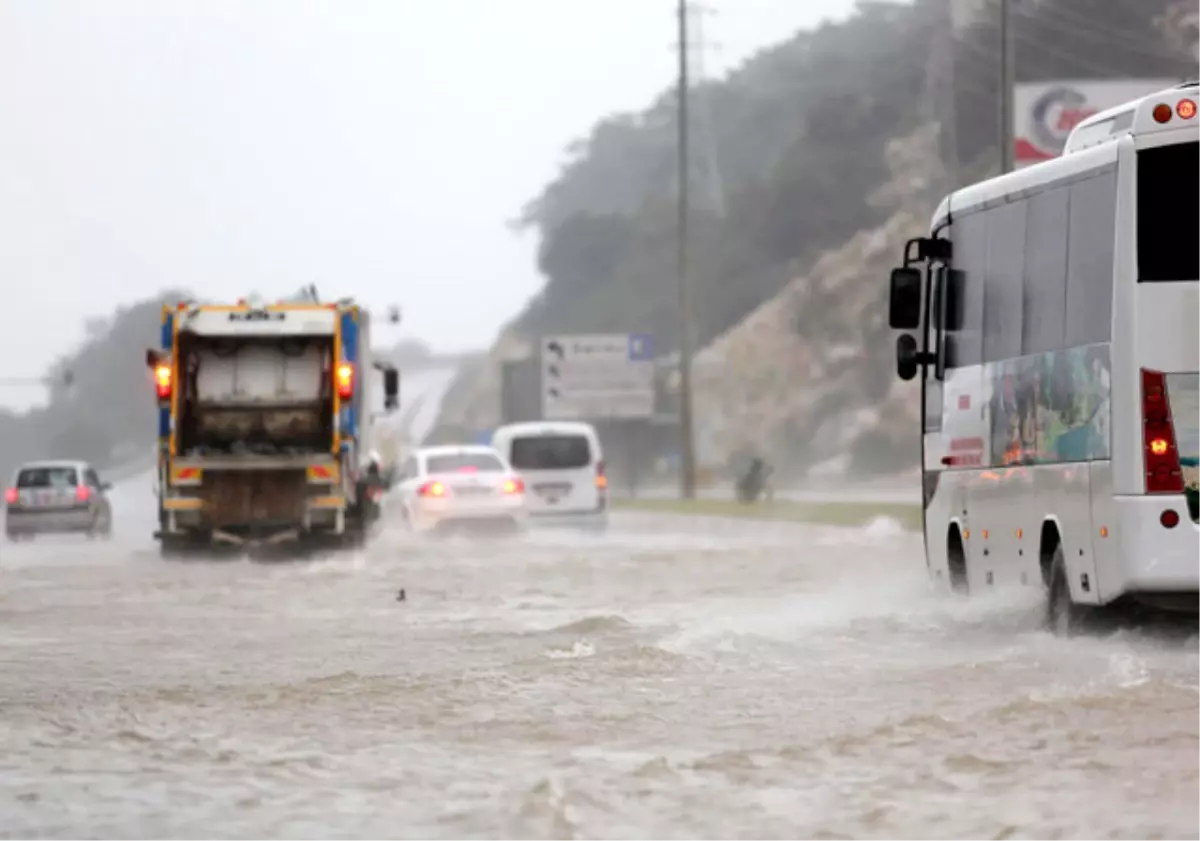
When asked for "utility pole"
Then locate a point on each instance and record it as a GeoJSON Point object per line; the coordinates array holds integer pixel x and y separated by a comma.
{"type": "Point", "coordinates": [687, 456]}
{"type": "Point", "coordinates": [1007, 60]}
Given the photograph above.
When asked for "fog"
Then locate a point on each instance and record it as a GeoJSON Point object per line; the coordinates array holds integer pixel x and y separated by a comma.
{"type": "Point", "coordinates": [373, 148]}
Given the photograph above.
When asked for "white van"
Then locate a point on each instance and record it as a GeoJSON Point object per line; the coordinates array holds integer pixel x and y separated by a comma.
{"type": "Point", "coordinates": [563, 468]}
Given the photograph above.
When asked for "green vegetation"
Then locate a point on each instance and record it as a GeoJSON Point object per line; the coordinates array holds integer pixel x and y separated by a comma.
{"type": "Point", "coordinates": [826, 513]}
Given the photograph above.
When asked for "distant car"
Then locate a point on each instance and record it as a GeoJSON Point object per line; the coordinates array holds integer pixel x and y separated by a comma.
{"type": "Point", "coordinates": [563, 465]}
{"type": "Point", "coordinates": [57, 497]}
{"type": "Point", "coordinates": [460, 486]}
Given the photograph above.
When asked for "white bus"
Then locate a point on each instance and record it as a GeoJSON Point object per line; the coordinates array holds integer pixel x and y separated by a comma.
{"type": "Point", "coordinates": [1054, 319]}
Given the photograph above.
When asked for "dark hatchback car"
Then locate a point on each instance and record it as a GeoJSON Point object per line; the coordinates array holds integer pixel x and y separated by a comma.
{"type": "Point", "coordinates": [57, 497]}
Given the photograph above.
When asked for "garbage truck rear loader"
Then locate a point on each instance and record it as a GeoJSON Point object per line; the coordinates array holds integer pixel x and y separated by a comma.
{"type": "Point", "coordinates": [264, 424]}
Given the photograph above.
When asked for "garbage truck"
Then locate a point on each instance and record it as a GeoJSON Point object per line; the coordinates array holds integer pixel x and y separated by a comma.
{"type": "Point", "coordinates": [265, 424]}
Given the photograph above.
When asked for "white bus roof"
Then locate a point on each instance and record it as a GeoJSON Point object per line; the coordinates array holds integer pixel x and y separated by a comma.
{"type": "Point", "coordinates": [1090, 146]}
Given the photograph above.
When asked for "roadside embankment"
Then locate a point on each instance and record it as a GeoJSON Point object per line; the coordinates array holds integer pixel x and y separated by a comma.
{"type": "Point", "coordinates": [833, 513]}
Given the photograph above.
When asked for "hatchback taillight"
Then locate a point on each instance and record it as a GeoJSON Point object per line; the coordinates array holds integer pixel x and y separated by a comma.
{"type": "Point", "coordinates": [11, 495]}
{"type": "Point", "coordinates": [83, 493]}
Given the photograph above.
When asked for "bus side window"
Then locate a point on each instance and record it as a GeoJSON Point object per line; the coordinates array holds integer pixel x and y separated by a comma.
{"type": "Point", "coordinates": [965, 294]}
{"type": "Point", "coordinates": [1043, 310]}
{"type": "Point", "coordinates": [1093, 217]}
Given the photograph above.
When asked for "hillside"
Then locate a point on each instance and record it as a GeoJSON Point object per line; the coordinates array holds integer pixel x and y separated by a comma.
{"type": "Point", "coordinates": [833, 148]}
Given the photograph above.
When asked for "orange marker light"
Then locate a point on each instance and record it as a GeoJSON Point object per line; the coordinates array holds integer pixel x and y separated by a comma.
{"type": "Point", "coordinates": [1104, 531]}
{"type": "Point", "coordinates": [1186, 109]}
{"type": "Point", "coordinates": [345, 381]}
{"type": "Point", "coordinates": [162, 381]}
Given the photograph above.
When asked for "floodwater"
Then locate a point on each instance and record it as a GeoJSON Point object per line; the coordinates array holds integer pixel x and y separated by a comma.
{"type": "Point", "coordinates": [677, 678]}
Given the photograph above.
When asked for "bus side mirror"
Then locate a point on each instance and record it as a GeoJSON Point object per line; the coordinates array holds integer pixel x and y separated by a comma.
{"type": "Point", "coordinates": [906, 357]}
{"type": "Point", "coordinates": [904, 299]}
{"type": "Point", "coordinates": [152, 357]}
{"type": "Point", "coordinates": [391, 388]}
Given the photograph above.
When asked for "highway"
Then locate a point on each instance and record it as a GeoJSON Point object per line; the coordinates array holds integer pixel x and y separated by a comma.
{"type": "Point", "coordinates": [680, 677]}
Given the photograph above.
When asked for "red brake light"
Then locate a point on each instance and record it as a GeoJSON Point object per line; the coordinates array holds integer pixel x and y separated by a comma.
{"type": "Point", "coordinates": [1186, 109]}
{"type": "Point", "coordinates": [83, 493]}
{"type": "Point", "coordinates": [1162, 112]}
{"type": "Point", "coordinates": [1169, 518]}
{"type": "Point", "coordinates": [344, 380]}
{"type": "Point", "coordinates": [11, 495]}
{"type": "Point", "coordinates": [1163, 472]}
{"type": "Point", "coordinates": [162, 381]}
{"type": "Point", "coordinates": [514, 486]}
{"type": "Point", "coordinates": [432, 489]}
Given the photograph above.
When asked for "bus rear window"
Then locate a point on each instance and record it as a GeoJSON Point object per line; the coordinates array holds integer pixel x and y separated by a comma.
{"type": "Point", "coordinates": [1168, 212]}
{"type": "Point", "coordinates": [551, 452]}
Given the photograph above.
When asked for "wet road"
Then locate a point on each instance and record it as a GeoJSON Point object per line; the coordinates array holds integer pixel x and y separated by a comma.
{"type": "Point", "coordinates": [678, 678]}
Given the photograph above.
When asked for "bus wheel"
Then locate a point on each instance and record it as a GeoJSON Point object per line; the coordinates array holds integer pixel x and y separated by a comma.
{"type": "Point", "coordinates": [1064, 617]}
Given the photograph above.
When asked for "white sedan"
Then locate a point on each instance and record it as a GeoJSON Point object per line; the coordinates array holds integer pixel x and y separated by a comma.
{"type": "Point", "coordinates": [461, 486]}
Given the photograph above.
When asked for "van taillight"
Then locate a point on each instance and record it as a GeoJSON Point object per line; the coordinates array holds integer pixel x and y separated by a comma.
{"type": "Point", "coordinates": [162, 381]}
{"type": "Point", "coordinates": [601, 479]}
{"type": "Point", "coordinates": [1163, 473]}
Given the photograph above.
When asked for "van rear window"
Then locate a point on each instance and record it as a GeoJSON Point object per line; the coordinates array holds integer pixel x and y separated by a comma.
{"type": "Point", "coordinates": [551, 452]}
{"type": "Point", "coordinates": [47, 477]}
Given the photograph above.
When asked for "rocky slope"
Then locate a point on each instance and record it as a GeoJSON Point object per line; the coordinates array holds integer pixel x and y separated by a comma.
{"type": "Point", "coordinates": [808, 376]}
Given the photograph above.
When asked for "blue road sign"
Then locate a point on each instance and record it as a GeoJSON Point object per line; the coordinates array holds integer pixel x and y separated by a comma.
{"type": "Point", "coordinates": [641, 347]}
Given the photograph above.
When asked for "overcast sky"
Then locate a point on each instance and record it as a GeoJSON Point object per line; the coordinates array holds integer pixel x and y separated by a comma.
{"type": "Point", "coordinates": [373, 148]}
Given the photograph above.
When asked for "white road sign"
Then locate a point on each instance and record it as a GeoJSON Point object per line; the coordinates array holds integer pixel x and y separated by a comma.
{"type": "Point", "coordinates": [597, 376]}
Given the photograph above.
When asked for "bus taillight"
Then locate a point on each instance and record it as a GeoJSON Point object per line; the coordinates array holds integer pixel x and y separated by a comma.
{"type": "Point", "coordinates": [344, 379]}
{"type": "Point", "coordinates": [1163, 472]}
{"type": "Point", "coordinates": [162, 381]}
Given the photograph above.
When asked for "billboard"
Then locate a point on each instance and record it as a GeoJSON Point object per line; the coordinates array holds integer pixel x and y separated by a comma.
{"type": "Point", "coordinates": [1045, 112]}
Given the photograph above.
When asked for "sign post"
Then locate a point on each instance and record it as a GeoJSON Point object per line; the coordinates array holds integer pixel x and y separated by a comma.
{"type": "Point", "coordinates": [598, 376]}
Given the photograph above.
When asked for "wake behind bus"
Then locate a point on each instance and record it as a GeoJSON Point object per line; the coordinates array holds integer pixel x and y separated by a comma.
{"type": "Point", "coordinates": [1052, 316]}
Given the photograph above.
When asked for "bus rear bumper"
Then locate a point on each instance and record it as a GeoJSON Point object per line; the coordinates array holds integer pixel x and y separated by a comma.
{"type": "Point", "coordinates": [1155, 558]}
